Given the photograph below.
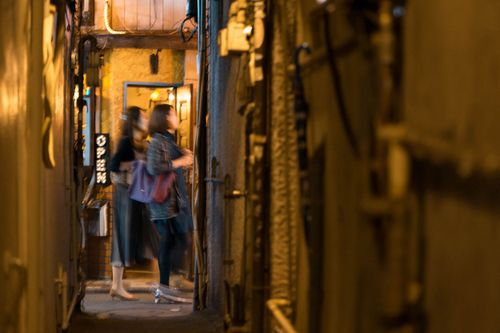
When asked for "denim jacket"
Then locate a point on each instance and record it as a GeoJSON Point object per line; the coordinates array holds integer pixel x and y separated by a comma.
{"type": "Point", "coordinates": [162, 151]}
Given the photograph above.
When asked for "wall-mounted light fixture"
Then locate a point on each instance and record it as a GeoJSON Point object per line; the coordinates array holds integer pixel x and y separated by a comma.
{"type": "Point", "coordinates": [155, 95]}
{"type": "Point", "coordinates": [171, 96]}
{"type": "Point", "coordinates": [154, 62]}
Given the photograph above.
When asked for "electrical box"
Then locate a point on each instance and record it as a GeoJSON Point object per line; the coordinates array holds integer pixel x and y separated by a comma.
{"type": "Point", "coordinates": [222, 40]}
{"type": "Point", "coordinates": [233, 39]}
{"type": "Point", "coordinates": [237, 40]}
{"type": "Point", "coordinates": [98, 218]}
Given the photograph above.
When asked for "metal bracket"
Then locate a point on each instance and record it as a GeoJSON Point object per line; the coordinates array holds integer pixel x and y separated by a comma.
{"type": "Point", "coordinates": [214, 180]}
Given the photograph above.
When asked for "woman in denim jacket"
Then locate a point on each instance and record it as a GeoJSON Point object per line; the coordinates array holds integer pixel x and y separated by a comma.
{"type": "Point", "coordinates": [173, 217]}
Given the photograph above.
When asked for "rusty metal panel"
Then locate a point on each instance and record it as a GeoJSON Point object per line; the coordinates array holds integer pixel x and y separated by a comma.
{"type": "Point", "coordinates": [179, 11]}
{"type": "Point", "coordinates": [144, 15]}
{"type": "Point", "coordinates": [131, 15]}
{"type": "Point", "coordinates": [140, 15]}
{"type": "Point", "coordinates": [168, 14]}
{"type": "Point", "coordinates": [452, 80]}
{"type": "Point", "coordinates": [99, 15]}
{"type": "Point", "coordinates": [156, 13]}
{"type": "Point", "coordinates": [117, 14]}
{"type": "Point", "coordinates": [452, 73]}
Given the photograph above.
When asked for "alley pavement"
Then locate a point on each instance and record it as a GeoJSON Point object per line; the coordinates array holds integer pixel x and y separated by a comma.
{"type": "Point", "coordinates": [100, 313]}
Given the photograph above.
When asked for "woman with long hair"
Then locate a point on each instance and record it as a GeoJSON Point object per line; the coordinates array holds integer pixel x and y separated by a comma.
{"type": "Point", "coordinates": [130, 217]}
{"type": "Point", "coordinates": [172, 217]}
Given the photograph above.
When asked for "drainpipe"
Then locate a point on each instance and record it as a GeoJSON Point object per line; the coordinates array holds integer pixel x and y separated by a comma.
{"type": "Point", "coordinates": [396, 162]}
{"type": "Point", "coordinates": [200, 164]}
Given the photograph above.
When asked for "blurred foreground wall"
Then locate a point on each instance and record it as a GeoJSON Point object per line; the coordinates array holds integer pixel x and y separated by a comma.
{"type": "Point", "coordinates": [424, 259]}
{"type": "Point", "coordinates": [451, 89]}
{"type": "Point", "coordinates": [35, 200]}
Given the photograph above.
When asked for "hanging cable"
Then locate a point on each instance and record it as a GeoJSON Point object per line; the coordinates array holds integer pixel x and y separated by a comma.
{"type": "Point", "coordinates": [187, 38]}
{"type": "Point", "coordinates": [335, 73]}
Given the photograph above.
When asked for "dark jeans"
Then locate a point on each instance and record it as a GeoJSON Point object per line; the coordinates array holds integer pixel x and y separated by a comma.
{"type": "Point", "coordinates": [172, 247]}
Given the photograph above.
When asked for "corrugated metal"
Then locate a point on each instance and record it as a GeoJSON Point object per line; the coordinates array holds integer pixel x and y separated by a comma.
{"type": "Point", "coordinates": [141, 15]}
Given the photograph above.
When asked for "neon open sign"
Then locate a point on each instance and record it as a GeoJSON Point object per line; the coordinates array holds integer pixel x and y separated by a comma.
{"type": "Point", "coordinates": [102, 159]}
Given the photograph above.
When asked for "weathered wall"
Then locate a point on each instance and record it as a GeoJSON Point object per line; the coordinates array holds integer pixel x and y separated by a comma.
{"type": "Point", "coordinates": [132, 65]}
{"type": "Point", "coordinates": [14, 59]}
{"type": "Point", "coordinates": [126, 65]}
{"type": "Point", "coordinates": [227, 147]}
{"type": "Point", "coordinates": [449, 91]}
{"type": "Point", "coordinates": [284, 188]}
{"type": "Point", "coordinates": [451, 96]}
{"type": "Point", "coordinates": [450, 84]}
{"type": "Point", "coordinates": [348, 285]}
{"type": "Point", "coordinates": [34, 200]}
{"type": "Point", "coordinates": [349, 254]}
{"type": "Point", "coordinates": [56, 208]}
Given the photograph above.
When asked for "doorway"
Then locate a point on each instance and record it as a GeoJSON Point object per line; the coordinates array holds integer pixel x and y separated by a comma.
{"type": "Point", "coordinates": [142, 278]}
{"type": "Point", "coordinates": [146, 95]}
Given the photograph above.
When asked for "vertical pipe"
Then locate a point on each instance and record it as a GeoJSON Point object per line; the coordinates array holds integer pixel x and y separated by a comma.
{"type": "Point", "coordinates": [199, 199]}
{"type": "Point", "coordinates": [396, 171]}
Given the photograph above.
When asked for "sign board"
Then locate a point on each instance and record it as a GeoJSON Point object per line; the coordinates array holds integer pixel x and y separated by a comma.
{"type": "Point", "coordinates": [102, 172]}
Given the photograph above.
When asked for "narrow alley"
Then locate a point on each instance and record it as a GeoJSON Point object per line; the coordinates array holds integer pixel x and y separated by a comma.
{"type": "Point", "coordinates": [257, 166]}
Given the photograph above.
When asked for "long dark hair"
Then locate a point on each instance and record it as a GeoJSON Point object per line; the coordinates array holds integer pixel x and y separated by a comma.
{"type": "Point", "coordinates": [132, 119]}
{"type": "Point", "coordinates": [158, 119]}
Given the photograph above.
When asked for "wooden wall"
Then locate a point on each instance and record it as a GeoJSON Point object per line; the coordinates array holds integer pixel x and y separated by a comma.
{"type": "Point", "coordinates": [141, 15]}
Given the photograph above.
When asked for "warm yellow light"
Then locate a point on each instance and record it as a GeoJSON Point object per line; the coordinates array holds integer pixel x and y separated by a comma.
{"type": "Point", "coordinates": [155, 95]}
{"type": "Point", "coordinates": [171, 97]}
{"type": "Point", "coordinates": [248, 30]}
{"type": "Point", "coordinates": [76, 95]}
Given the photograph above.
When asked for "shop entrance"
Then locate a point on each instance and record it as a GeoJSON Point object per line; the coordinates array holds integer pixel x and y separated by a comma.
{"type": "Point", "coordinates": [136, 53]}
{"type": "Point", "coordinates": [112, 103]}
{"type": "Point", "coordinates": [146, 95]}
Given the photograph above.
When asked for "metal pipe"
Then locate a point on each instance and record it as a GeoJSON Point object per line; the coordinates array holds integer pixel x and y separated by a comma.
{"type": "Point", "coordinates": [199, 174]}
{"type": "Point", "coordinates": [74, 301]}
{"type": "Point", "coordinates": [62, 291]}
{"type": "Point", "coordinates": [274, 306]}
{"type": "Point", "coordinates": [107, 23]}
{"type": "Point", "coordinates": [465, 160]}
